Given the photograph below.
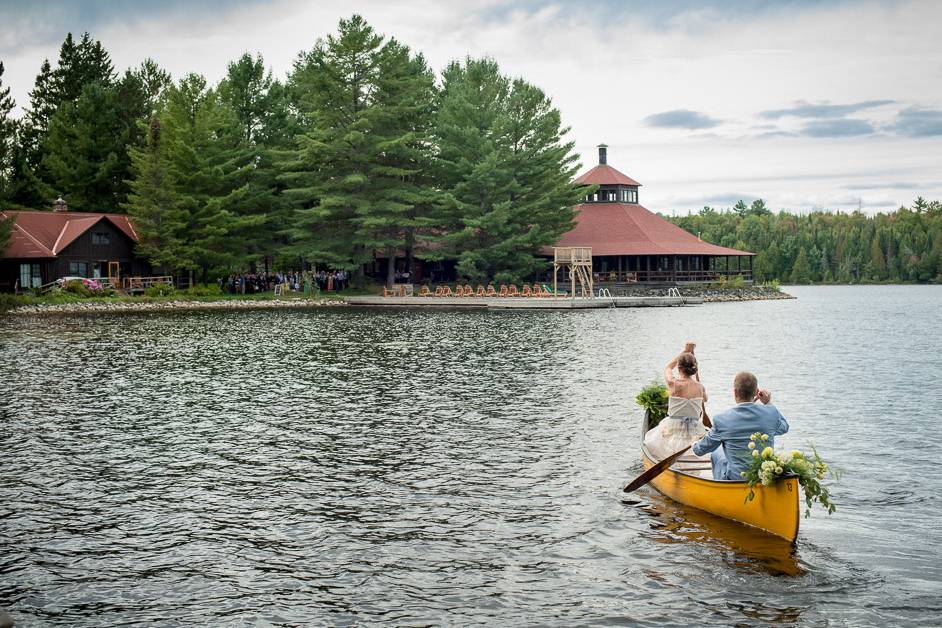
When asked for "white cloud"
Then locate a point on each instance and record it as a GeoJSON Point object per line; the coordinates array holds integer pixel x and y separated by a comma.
{"type": "Point", "coordinates": [608, 67]}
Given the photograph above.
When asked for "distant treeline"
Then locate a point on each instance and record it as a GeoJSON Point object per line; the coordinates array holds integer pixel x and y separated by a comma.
{"type": "Point", "coordinates": [905, 245]}
{"type": "Point", "coordinates": [361, 152]}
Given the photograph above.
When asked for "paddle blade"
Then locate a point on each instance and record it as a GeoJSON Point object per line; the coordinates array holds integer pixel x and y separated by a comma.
{"type": "Point", "coordinates": [654, 471]}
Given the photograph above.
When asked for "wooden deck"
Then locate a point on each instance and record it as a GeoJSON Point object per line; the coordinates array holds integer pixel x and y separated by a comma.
{"type": "Point", "coordinates": [528, 303]}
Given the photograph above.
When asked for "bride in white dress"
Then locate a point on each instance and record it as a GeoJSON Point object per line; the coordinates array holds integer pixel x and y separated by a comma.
{"type": "Point", "coordinates": [686, 415]}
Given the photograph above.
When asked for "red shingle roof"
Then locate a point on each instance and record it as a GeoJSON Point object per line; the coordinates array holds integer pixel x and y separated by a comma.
{"type": "Point", "coordinates": [604, 174]}
{"type": "Point", "coordinates": [46, 234]}
{"type": "Point", "coordinates": [629, 229]}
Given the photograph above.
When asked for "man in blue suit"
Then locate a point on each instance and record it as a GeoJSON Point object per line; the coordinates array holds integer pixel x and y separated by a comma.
{"type": "Point", "coordinates": [728, 439]}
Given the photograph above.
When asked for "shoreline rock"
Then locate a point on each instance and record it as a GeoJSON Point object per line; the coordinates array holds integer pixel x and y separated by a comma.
{"type": "Point", "coordinates": [178, 305]}
{"type": "Point", "coordinates": [709, 295]}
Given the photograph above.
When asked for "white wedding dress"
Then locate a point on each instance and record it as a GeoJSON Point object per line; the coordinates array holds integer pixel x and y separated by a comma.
{"type": "Point", "coordinates": [678, 429]}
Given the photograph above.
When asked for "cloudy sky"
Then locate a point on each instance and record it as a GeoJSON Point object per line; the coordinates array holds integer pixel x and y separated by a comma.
{"type": "Point", "coordinates": [806, 104]}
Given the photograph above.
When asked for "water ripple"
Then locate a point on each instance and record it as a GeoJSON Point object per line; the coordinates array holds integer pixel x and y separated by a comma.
{"type": "Point", "coordinates": [355, 467]}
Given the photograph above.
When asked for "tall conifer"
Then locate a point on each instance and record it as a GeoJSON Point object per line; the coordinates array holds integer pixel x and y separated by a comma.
{"type": "Point", "coordinates": [505, 170]}
{"type": "Point", "coordinates": [8, 139]}
{"type": "Point", "coordinates": [356, 172]}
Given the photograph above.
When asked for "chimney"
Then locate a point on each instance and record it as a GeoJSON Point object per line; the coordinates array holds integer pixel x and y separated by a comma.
{"type": "Point", "coordinates": [603, 154]}
{"type": "Point", "coordinates": [59, 205]}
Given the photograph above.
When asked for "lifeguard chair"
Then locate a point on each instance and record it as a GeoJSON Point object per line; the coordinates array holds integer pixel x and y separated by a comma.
{"type": "Point", "coordinates": [577, 260]}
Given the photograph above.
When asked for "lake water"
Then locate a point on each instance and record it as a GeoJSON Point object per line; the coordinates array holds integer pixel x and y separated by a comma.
{"type": "Point", "coordinates": [343, 467]}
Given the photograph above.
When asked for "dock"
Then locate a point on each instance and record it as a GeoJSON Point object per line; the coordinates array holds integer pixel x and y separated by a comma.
{"type": "Point", "coordinates": [524, 303]}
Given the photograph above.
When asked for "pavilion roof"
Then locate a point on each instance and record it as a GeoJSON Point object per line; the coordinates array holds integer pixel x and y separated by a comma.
{"type": "Point", "coordinates": [630, 229]}
{"type": "Point", "coordinates": [603, 174]}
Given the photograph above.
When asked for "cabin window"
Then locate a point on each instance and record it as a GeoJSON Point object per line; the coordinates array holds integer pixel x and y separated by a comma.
{"type": "Point", "coordinates": [101, 238]}
{"type": "Point", "coordinates": [78, 269]}
{"type": "Point", "coordinates": [624, 196]}
{"type": "Point", "coordinates": [595, 197]}
{"type": "Point", "coordinates": [30, 276]}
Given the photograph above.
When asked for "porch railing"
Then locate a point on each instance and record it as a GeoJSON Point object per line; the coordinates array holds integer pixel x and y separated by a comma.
{"type": "Point", "coordinates": [140, 284]}
{"type": "Point", "coordinates": [656, 276]}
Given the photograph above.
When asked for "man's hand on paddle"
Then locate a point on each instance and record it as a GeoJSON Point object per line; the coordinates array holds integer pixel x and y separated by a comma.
{"type": "Point", "coordinates": [765, 396]}
{"type": "Point", "coordinates": [689, 347]}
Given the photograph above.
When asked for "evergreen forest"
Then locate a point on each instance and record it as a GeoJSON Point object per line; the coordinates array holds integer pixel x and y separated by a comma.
{"type": "Point", "coordinates": [364, 152]}
{"type": "Point", "coordinates": [829, 247]}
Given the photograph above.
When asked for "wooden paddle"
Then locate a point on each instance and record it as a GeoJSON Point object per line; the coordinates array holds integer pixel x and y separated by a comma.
{"type": "Point", "coordinates": [655, 471]}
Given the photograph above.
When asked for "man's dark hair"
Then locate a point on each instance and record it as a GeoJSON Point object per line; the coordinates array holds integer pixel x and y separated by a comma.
{"type": "Point", "coordinates": [745, 386]}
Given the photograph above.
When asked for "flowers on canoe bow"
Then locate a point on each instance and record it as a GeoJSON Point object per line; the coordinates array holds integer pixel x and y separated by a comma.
{"type": "Point", "coordinates": [769, 467]}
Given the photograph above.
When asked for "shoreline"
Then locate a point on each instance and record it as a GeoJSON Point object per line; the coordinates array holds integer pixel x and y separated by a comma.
{"type": "Point", "coordinates": [175, 305]}
{"type": "Point", "coordinates": [91, 307]}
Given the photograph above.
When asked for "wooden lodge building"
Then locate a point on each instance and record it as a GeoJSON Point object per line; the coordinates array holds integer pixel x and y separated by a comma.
{"type": "Point", "coordinates": [633, 244]}
{"type": "Point", "coordinates": [630, 244]}
{"type": "Point", "coordinates": [47, 245]}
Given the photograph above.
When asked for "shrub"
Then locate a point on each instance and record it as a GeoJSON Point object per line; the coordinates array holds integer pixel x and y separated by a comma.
{"type": "Point", "coordinates": [160, 290]}
{"type": "Point", "coordinates": [8, 301]}
{"type": "Point", "coordinates": [77, 287]}
{"type": "Point", "coordinates": [205, 290]}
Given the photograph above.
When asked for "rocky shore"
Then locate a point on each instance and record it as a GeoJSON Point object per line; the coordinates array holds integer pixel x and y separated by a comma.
{"type": "Point", "coordinates": [713, 294]}
{"type": "Point", "coordinates": [103, 307]}
{"type": "Point", "coordinates": [709, 295]}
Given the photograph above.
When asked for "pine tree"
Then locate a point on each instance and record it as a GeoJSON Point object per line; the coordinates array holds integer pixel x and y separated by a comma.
{"type": "Point", "coordinates": [8, 141]}
{"type": "Point", "coordinates": [801, 270]}
{"type": "Point", "coordinates": [401, 120]}
{"type": "Point", "coordinates": [259, 124]}
{"type": "Point", "coordinates": [86, 148]}
{"type": "Point", "coordinates": [153, 81]}
{"type": "Point", "coordinates": [505, 172]}
{"type": "Point", "coordinates": [877, 261]}
{"type": "Point", "coordinates": [153, 203]}
{"type": "Point", "coordinates": [338, 174]}
{"type": "Point", "coordinates": [79, 64]}
{"type": "Point", "coordinates": [185, 181]}
{"type": "Point", "coordinates": [6, 228]}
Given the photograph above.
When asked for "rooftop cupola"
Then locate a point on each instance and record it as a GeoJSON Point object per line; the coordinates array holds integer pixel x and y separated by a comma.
{"type": "Point", "coordinates": [612, 185]}
{"type": "Point", "coordinates": [59, 205]}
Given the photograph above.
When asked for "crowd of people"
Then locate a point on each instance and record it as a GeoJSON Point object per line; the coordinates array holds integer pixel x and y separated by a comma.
{"type": "Point", "coordinates": [332, 280]}
{"type": "Point", "coordinates": [252, 283]}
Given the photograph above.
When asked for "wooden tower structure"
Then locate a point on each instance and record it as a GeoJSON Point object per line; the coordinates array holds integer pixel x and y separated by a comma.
{"type": "Point", "coordinates": [577, 261]}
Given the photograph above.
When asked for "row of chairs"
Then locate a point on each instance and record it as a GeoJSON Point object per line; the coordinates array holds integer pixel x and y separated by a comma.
{"type": "Point", "coordinates": [505, 291]}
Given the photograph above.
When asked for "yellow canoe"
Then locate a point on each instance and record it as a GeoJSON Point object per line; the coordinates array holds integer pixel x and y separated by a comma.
{"type": "Point", "coordinates": [775, 508]}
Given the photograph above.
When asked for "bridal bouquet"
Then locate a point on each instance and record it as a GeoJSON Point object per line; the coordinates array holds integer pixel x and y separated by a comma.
{"type": "Point", "coordinates": [766, 466]}
{"type": "Point", "coordinates": [653, 398]}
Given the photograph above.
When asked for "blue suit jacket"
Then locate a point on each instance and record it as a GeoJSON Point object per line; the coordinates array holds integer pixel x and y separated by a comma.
{"type": "Point", "coordinates": [732, 430]}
